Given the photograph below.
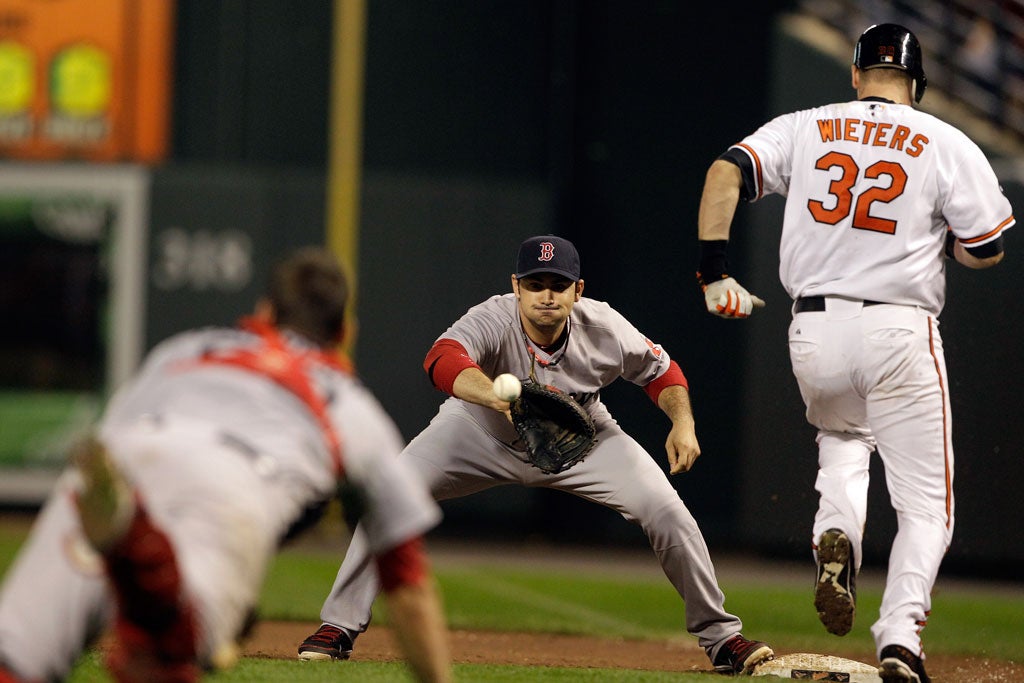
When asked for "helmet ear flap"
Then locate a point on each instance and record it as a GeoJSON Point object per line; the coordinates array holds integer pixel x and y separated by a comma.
{"type": "Point", "coordinates": [920, 84]}
{"type": "Point", "coordinates": [892, 46]}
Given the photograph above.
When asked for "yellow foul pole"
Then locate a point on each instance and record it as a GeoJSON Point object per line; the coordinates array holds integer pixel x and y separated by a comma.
{"type": "Point", "coordinates": [344, 162]}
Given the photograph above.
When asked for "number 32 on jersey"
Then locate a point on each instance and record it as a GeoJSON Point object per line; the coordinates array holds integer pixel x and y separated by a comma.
{"type": "Point", "coordinates": [841, 189]}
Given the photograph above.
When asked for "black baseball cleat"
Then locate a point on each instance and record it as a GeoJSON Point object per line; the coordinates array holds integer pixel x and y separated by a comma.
{"type": "Point", "coordinates": [328, 643]}
{"type": "Point", "coordinates": [738, 655]}
{"type": "Point", "coordinates": [900, 665]}
{"type": "Point", "coordinates": [835, 591]}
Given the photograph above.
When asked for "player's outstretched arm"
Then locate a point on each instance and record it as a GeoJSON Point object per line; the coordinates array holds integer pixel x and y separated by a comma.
{"type": "Point", "coordinates": [420, 630]}
{"type": "Point", "coordinates": [723, 295]}
{"type": "Point", "coordinates": [718, 201]}
{"type": "Point", "coordinates": [474, 386]}
{"type": "Point", "coordinates": [452, 370]}
{"type": "Point", "coordinates": [681, 445]}
{"type": "Point", "coordinates": [415, 608]}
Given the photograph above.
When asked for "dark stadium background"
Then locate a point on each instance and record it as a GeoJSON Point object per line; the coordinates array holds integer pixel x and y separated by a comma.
{"type": "Point", "coordinates": [487, 122]}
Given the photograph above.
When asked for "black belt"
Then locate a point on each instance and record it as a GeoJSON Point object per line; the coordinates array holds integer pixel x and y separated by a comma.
{"type": "Point", "coordinates": [809, 304]}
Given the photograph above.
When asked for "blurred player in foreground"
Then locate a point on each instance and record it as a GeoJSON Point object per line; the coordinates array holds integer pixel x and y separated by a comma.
{"type": "Point", "coordinates": [201, 465]}
{"type": "Point", "coordinates": [879, 195]}
{"type": "Point", "coordinates": [544, 331]}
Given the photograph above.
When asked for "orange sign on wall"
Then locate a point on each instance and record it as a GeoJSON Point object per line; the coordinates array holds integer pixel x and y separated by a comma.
{"type": "Point", "coordinates": [85, 79]}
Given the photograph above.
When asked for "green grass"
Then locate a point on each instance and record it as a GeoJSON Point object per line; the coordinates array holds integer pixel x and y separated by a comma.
{"type": "Point", "coordinates": [264, 670]}
{"type": "Point", "coordinates": [10, 539]}
{"type": "Point", "coordinates": [297, 583]}
{"type": "Point", "coordinates": [980, 623]}
{"type": "Point", "coordinates": [493, 598]}
{"type": "Point", "coordinates": [37, 424]}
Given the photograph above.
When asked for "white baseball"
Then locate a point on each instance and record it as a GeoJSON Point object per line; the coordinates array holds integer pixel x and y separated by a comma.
{"type": "Point", "coordinates": [507, 387]}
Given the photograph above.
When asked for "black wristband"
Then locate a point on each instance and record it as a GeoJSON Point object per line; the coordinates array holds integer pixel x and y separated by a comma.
{"type": "Point", "coordinates": [712, 260]}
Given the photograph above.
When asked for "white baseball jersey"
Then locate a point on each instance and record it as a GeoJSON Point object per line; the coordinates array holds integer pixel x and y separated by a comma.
{"type": "Point", "coordinates": [878, 184]}
{"type": "Point", "coordinates": [872, 188]}
{"type": "Point", "coordinates": [225, 458]}
{"type": "Point", "coordinates": [273, 422]}
{"type": "Point", "coordinates": [469, 448]}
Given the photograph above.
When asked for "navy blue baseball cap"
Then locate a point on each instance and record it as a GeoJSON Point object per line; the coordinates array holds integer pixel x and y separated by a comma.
{"type": "Point", "coordinates": [548, 254]}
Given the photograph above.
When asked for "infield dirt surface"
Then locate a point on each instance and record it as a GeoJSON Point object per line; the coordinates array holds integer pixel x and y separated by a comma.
{"type": "Point", "coordinates": [281, 639]}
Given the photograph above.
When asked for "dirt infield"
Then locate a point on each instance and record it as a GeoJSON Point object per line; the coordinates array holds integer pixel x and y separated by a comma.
{"type": "Point", "coordinates": [279, 640]}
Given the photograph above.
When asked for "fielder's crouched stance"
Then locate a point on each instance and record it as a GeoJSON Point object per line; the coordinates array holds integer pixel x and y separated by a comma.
{"type": "Point", "coordinates": [202, 464]}
{"type": "Point", "coordinates": [544, 332]}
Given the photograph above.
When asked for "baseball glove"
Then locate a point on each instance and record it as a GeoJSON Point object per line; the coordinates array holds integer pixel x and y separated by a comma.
{"type": "Point", "coordinates": [557, 431]}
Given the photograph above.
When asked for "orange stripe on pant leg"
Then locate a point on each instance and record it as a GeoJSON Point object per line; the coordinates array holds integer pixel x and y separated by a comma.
{"type": "Point", "coordinates": [945, 430]}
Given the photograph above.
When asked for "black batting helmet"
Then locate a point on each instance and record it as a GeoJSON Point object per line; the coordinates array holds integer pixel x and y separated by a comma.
{"type": "Point", "coordinates": [892, 46]}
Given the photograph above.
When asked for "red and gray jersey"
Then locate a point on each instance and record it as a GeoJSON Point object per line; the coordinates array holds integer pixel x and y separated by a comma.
{"type": "Point", "coordinates": [292, 409]}
{"type": "Point", "coordinates": [601, 347]}
{"type": "Point", "coordinates": [872, 187]}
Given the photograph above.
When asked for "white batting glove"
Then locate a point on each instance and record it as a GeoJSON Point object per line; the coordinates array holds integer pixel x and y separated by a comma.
{"type": "Point", "coordinates": [727, 298]}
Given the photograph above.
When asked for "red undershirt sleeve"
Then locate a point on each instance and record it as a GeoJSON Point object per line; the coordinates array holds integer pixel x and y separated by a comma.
{"type": "Point", "coordinates": [445, 360]}
{"type": "Point", "coordinates": [404, 565]}
{"type": "Point", "coordinates": [673, 376]}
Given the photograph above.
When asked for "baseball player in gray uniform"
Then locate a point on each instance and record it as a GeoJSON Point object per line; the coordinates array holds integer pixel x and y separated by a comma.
{"type": "Point", "coordinates": [879, 195]}
{"type": "Point", "coordinates": [545, 331]}
{"type": "Point", "coordinates": [201, 465]}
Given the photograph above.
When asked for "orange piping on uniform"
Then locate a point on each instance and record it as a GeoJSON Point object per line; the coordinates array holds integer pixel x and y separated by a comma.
{"type": "Point", "coordinates": [989, 234]}
{"type": "Point", "coordinates": [945, 431]}
{"type": "Point", "coordinates": [757, 165]}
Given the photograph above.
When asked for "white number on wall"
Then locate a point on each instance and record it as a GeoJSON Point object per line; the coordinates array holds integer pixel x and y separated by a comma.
{"type": "Point", "coordinates": [202, 260]}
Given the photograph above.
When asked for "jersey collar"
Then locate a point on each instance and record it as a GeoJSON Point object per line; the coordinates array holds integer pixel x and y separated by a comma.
{"type": "Point", "coordinates": [554, 354]}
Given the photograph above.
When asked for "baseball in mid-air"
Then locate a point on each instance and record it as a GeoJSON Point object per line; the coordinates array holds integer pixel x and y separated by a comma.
{"type": "Point", "coordinates": [507, 387]}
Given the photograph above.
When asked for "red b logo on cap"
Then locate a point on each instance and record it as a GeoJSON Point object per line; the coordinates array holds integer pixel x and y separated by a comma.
{"type": "Point", "coordinates": [547, 251]}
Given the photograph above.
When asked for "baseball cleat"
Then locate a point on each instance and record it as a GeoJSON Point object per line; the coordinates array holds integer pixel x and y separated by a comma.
{"type": "Point", "coordinates": [900, 665]}
{"type": "Point", "coordinates": [835, 592]}
{"type": "Point", "coordinates": [328, 643]}
{"type": "Point", "coordinates": [737, 655]}
{"type": "Point", "coordinates": [105, 504]}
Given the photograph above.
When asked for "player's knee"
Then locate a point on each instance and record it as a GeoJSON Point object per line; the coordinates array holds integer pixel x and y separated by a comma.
{"type": "Point", "coordinates": [666, 522]}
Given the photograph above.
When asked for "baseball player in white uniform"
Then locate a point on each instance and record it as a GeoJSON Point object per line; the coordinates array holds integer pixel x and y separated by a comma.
{"type": "Point", "coordinates": [201, 465]}
{"type": "Point", "coordinates": [879, 194]}
{"type": "Point", "coordinates": [545, 331]}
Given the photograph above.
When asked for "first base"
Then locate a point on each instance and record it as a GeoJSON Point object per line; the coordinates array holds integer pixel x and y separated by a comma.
{"type": "Point", "coordinates": [803, 666]}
